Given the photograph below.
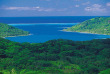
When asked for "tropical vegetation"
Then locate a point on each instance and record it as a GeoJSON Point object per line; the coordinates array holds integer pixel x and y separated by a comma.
{"type": "Point", "coordinates": [98, 25]}
{"type": "Point", "coordinates": [7, 30]}
{"type": "Point", "coordinates": [55, 57]}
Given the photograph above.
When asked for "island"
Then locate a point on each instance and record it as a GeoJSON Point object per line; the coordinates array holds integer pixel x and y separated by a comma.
{"type": "Point", "coordinates": [9, 31]}
{"type": "Point", "coordinates": [98, 25]}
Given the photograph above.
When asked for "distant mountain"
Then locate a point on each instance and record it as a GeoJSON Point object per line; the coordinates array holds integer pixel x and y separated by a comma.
{"type": "Point", "coordinates": [98, 25]}
{"type": "Point", "coordinates": [7, 30]}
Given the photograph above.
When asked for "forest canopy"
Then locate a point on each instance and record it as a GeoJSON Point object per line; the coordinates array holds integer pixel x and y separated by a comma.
{"type": "Point", "coordinates": [55, 57]}
{"type": "Point", "coordinates": [7, 30]}
{"type": "Point", "coordinates": [98, 25]}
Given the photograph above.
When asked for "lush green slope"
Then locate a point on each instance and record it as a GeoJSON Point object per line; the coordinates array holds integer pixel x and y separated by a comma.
{"type": "Point", "coordinates": [99, 25]}
{"type": "Point", "coordinates": [55, 57]}
{"type": "Point", "coordinates": [6, 30]}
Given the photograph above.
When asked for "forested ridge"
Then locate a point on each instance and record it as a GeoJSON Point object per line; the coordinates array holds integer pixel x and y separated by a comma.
{"type": "Point", "coordinates": [98, 25]}
{"type": "Point", "coordinates": [7, 30]}
{"type": "Point", "coordinates": [55, 57]}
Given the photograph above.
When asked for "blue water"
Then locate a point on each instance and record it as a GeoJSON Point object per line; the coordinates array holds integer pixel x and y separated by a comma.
{"type": "Point", "coordinates": [44, 32]}
{"type": "Point", "coordinates": [46, 19]}
{"type": "Point", "coordinates": [48, 28]}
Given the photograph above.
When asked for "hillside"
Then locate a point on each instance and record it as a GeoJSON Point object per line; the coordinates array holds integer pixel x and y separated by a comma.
{"type": "Point", "coordinates": [55, 57]}
{"type": "Point", "coordinates": [7, 30]}
{"type": "Point", "coordinates": [98, 25]}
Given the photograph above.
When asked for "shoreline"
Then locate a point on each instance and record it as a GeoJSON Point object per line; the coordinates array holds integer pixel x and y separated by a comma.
{"type": "Point", "coordinates": [83, 32]}
{"type": "Point", "coordinates": [17, 36]}
{"type": "Point", "coordinates": [41, 23]}
{"type": "Point", "coordinates": [25, 24]}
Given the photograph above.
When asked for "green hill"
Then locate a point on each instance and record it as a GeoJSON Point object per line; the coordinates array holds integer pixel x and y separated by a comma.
{"type": "Point", "coordinates": [7, 30]}
{"type": "Point", "coordinates": [98, 25]}
{"type": "Point", "coordinates": [55, 57]}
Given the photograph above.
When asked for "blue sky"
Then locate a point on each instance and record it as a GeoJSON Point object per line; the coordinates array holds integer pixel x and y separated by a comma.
{"type": "Point", "coordinates": [25, 8]}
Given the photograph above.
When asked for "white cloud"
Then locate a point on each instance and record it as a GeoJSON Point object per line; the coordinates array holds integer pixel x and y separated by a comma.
{"type": "Point", "coordinates": [36, 7]}
{"type": "Point", "coordinates": [33, 8]}
{"type": "Point", "coordinates": [21, 8]}
{"type": "Point", "coordinates": [95, 8]}
{"type": "Point", "coordinates": [77, 5]}
{"type": "Point", "coordinates": [97, 5]}
{"type": "Point", "coordinates": [47, 10]}
{"type": "Point", "coordinates": [86, 3]}
{"type": "Point", "coordinates": [108, 4]}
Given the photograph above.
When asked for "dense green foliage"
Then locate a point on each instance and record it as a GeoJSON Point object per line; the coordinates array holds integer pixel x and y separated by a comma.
{"type": "Point", "coordinates": [98, 25]}
{"type": "Point", "coordinates": [6, 30]}
{"type": "Point", "coordinates": [55, 57]}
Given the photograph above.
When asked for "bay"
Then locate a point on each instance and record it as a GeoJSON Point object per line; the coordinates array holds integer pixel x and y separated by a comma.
{"type": "Point", "coordinates": [42, 32]}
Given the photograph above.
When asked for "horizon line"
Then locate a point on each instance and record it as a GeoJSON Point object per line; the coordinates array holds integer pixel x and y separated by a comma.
{"type": "Point", "coordinates": [54, 16]}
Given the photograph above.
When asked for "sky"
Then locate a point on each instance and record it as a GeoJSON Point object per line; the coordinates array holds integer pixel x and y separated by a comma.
{"type": "Point", "coordinates": [30, 8]}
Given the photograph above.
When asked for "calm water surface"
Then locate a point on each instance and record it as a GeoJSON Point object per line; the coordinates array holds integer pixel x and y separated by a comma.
{"type": "Point", "coordinates": [44, 32]}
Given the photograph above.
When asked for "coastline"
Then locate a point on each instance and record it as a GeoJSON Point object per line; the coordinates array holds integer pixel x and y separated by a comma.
{"type": "Point", "coordinates": [17, 36]}
{"type": "Point", "coordinates": [19, 24]}
{"type": "Point", "coordinates": [84, 32]}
